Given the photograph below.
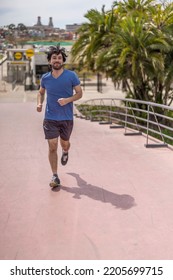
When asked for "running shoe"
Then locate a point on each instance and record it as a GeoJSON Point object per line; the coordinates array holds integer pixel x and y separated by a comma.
{"type": "Point", "coordinates": [64, 158]}
{"type": "Point", "coordinates": [55, 181]}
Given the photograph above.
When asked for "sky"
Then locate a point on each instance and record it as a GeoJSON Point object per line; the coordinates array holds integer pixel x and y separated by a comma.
{"type": "Point", "coordinates": [62, 12]}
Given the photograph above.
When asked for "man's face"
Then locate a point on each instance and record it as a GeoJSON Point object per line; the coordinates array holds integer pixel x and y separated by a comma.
{"type": "Point", "coordinates": [56, 61]}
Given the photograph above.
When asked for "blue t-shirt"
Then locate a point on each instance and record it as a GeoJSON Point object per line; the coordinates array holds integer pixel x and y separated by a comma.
{"type": "Point", "coordinates": [61, 87]}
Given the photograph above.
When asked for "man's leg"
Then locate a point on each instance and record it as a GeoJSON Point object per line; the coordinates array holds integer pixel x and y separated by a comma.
{"type": "Point", "coordinates": [65, 145]}
{"type": "Point", "coordinates": [66, 130]}
{"type": "Point", "coordinates": [53, 155]}
{"type": "Point", "coordinates": [53, 159]}
{"type": "Point", "coordinates": [65, 148]}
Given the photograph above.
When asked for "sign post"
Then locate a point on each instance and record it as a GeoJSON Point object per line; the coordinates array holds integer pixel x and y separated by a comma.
{"type": "Point", "coordinates": [28, 85]}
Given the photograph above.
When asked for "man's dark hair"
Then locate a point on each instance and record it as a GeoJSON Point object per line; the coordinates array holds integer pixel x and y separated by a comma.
{"type": "Point", "coordinates": [56, 50]}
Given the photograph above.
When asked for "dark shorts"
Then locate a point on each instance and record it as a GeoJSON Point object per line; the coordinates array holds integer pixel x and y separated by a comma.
{"type": "Point", "coordinates": [54, 129]}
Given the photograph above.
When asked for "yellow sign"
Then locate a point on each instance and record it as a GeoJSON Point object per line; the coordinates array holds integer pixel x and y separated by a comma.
{"type": "Point", "coordinates": [29, 52]}
{"type": "Point", "coordinates": [18, 55]}
{"type": "Point", "coordinates": [17, 62]}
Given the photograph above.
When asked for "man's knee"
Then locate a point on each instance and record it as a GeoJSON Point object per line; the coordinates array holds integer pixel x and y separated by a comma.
{"type": "Point", "coordinates": [65, 145]}
{"type": "Point", "coordinates": [53, 145]}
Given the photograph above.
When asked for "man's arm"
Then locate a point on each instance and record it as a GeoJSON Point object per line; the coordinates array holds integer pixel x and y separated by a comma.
{"type": "Point", "coordinates": [78, 94]}
{"type": "Point", "coordinates": [40, 99]}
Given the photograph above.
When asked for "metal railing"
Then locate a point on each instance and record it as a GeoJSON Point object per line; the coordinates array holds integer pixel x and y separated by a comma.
{"type": "Point", "coordinates": [153, 120]}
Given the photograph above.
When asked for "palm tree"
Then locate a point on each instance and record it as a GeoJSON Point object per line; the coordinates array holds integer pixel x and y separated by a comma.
{"type": "Point", "coordinates": [92, 38]}
{"type": "Point", "coordinates": [162, 81]}
{"type": "Point", "coordinates": [132, 42]}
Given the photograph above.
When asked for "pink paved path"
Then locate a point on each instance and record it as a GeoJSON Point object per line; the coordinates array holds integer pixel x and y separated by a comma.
{"type": "Point", "coordinates": [115, 202]}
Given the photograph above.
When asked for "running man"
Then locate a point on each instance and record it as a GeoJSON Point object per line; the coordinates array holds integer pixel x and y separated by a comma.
{"type": "Point", "coordinates": [62, 88]}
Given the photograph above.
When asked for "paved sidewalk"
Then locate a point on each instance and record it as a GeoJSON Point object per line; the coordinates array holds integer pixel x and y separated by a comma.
{"type": "Point", "coordinates": [115, 201]}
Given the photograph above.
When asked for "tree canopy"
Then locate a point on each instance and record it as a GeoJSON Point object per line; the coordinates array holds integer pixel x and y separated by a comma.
{"type": "Point", "coordinates": [132, 42]}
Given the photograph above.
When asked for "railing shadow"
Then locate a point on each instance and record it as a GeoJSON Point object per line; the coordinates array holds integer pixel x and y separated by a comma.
{"type": "Point", "coordinates": [121, 201]}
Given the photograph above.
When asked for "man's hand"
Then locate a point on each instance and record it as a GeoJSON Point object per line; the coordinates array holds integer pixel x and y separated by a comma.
{"type": "Point", "coordinates": [39, 107]}
{"type": "Point", "coordinates": [63, 101]}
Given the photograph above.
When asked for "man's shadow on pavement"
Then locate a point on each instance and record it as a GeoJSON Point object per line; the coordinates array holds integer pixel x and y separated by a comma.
{"type": "Point", "coordinates": [123, 201]}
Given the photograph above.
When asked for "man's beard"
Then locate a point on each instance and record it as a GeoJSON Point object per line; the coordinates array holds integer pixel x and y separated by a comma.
{"type": "Point", "coordinates": [57, 66]}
